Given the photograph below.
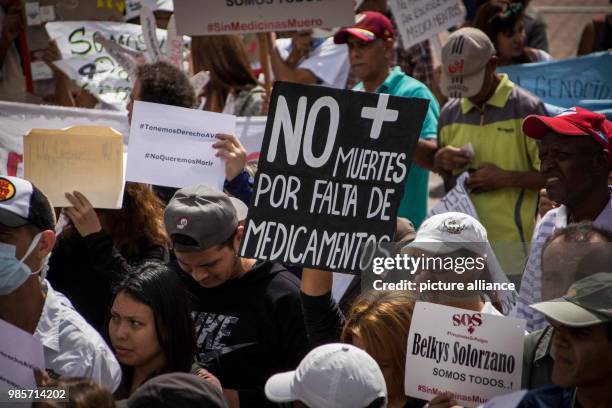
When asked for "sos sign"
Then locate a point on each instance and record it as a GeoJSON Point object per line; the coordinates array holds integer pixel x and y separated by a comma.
{"type": "Point", "coordinates": [467, 319]}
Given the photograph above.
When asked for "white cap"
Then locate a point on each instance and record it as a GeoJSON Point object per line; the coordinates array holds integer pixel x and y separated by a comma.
{"type": "Point", "coordinates": [450, 231]}
{"type": "Point", "coordinates": [331, 376]}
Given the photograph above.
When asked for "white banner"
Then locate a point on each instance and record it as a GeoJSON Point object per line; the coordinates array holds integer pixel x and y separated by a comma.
{"type": "Point", "coordinates": [85, 61]}
{"type": "Point", "coordinates": [475, 356]}
{"type": "Point", "coordinates": [172, 146]}
{"type": "Point", "coordinates": [17, 119]}
{"type": "Point", "coordinates": [456, 200]}
{"type": "Point", "coordinates": [197, 17]}
{"type": "Point", "coordinates": [419, 20]}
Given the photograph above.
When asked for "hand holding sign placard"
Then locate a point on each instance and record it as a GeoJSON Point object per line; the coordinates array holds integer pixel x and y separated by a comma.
{"type": "Point", "coordinates": [331, 175]}
{"type": "Point", "coordinates": [101, 57]}
{"type": "Point", "coordinates": [172, 146]}
{"type": "Point", "coordinates": [475, 356]}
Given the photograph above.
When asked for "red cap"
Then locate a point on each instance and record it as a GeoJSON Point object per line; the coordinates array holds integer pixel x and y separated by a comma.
{"type": "Point", "coordinates": [369, 26]}
{"type": "Point", "coordinates": [572, 122]}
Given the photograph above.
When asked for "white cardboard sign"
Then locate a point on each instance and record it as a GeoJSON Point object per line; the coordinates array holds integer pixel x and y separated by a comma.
{"type": "Point", "coordinates": [215, 17]}
{"type": "Point", "coordinates": [419, 20]}
{"type": "Point", "coordinates": [172, 146]}
{"type": "Point", "coordinates": [89, 64]}
{"type": "Point", "coordinates": [475, 356]}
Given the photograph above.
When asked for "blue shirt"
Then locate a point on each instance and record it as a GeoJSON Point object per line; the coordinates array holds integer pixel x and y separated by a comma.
{"type": "Point", "coordinates": [549, 396]}
{"type": "Point", "coordinates": [416, 191]}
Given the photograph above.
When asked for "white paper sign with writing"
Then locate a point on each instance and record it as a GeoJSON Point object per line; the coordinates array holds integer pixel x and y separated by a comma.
{"type": "Point", "coordinates": [19, 118]}
{"type": "Point", "coordinates": [20, 353]}
{"type": "Point", "coordinates": [475, 356]}
{"type": "Point", "coordinates": [172, 146]}
{"type": "Point", "coordinates": [419, 20]}
{"type": "Point", "coordinates": [86, 61]}
{"type": "Point", "coordinates": [196, 17]}
{"type": "Point", "coordinates": [456, 200]}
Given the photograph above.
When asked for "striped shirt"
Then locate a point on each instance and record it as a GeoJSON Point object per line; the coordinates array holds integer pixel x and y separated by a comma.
{"type": "Point", "coordinates": [531, 283]}
{"type": "Point", "coordinates": [495, 132]}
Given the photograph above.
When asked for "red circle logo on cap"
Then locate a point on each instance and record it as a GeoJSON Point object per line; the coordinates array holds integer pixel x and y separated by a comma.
{"type": "Point", "coordinates": [7, 189]}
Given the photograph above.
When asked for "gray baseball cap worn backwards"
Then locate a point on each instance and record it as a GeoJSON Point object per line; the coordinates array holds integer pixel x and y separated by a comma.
{"type": "Point", "coordinates": [204, 214]}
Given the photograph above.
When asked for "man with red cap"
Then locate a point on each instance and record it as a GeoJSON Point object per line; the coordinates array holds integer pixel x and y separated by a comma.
{"type": "Point", "coordinates": [370, 42]}
{"type": "Point", "coordinates": [576, 159]}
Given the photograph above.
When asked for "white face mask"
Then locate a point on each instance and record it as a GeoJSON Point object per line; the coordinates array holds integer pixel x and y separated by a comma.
{"type": "Point", "coordinates": [14, 272]}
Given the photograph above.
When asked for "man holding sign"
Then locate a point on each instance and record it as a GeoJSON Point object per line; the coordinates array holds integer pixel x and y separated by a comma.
{"type": "Point", "coordinates": [370, 43]}
{"type": "Point", "coordinates": [327, 193]}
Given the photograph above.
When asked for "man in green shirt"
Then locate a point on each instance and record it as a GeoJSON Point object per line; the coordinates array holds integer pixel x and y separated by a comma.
{"type": "Point", "coordinates": [370, 42]}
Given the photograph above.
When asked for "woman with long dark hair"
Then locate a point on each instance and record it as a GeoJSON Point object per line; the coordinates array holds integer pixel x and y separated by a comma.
{"type": "Point", "coordinates": [504, 24]}
{"type": "Point", "coordinates": [99, 247]}
{"type": "Point", "coordinates": [231, 80]}
{"type": "Point", "coordinates": [150, 327]}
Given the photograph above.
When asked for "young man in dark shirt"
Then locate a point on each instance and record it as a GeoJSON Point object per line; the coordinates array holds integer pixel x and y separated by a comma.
{"type": "Point", "coordinates": [248, 316]}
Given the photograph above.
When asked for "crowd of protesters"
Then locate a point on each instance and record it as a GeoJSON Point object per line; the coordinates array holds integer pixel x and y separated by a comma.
{"type": "Point", "coordinates": [151, 305]}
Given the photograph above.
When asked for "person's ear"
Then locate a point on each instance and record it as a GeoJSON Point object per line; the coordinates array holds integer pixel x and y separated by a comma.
{"type": "Point", "coordinates": [46, 243]}
{"type": "Point", "coordinates": [601, 163]}
{"type": "Point", "coordinates": [493, 63]}
{"type": "Point", "coordinates": [238, 236]}
{"type": "Point", "coordinates": [388, 44]}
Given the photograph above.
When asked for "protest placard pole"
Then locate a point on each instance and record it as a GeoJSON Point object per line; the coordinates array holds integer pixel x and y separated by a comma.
{"type": "Point", "coordinates": [436, 48]}
{"type": "Point", "coordinates": [25, 53]}
{"type": "Point", "coordinates": [264, 59]}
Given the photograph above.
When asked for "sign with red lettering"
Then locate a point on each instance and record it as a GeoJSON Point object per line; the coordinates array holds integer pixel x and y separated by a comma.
{"type": "Point", "coordinates": [474, 355]}
{"type": "Point", "coordinates": [215, 17]}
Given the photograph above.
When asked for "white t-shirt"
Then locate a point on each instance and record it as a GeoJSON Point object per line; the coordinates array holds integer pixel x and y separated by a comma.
{"type": "Point", "coordinates": [72, 347]}
{"type": "Point", "coordinates": [327, 61]}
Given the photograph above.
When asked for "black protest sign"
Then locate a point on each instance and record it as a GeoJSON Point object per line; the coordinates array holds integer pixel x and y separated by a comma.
{"type": "Point", "coordinates": [331, 175]}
